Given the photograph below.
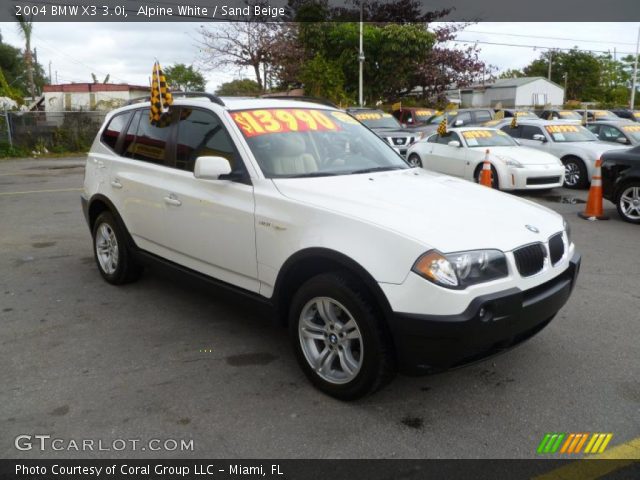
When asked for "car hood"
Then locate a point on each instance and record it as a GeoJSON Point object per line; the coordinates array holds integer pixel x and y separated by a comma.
{"type": "Point", "coordinates": [526, 156]}
{"type": "Point", "coordinates": [435, 210]}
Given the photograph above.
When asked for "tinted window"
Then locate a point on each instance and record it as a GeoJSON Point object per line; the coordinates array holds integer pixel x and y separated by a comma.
{"type": "Point", "coordinates": [609, 134]}
{"type": "Point", "coordinates": [130, 136]}
{"type": "Point", "coordinates": [514, 132]}
{"type": "Point", "coordinates": [528, 131]}
{"type": "Point", "coordinates": [111, 133]}
{"type": "Point", "coordinates": [201, 134]}
{"type": "Point", "coordinates": [449, 137]}
{"type": "Point", "coordinates": [150, 142]}
{"type": "Point", "coordinates": [464, 116]}
{"type": "Point", "coordinates": [482, 116]}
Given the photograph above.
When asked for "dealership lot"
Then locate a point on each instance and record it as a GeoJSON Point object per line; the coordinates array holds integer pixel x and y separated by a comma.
{"type": "Point", "coordinates": [161, 359]}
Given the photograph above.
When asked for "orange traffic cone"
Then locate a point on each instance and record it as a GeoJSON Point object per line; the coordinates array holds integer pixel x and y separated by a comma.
{"type": "Point", "coordinates": [485, 174]}
{"type": "Point", "coordinates": [593, 209]}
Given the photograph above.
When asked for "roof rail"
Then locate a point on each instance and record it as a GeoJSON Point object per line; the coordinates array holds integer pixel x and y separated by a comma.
{"type": "Point", "coordinates": [211, 97]}
{"type": "Point", "coordinates": [301, 98]}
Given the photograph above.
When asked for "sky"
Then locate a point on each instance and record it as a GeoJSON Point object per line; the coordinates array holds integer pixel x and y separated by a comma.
{"type": "Point", "coordinates": [126, 51]}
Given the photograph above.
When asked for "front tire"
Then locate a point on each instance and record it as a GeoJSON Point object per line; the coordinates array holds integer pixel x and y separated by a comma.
{"type": "Point", "coordinates": [338, 337]}
{"type": "Point", "coordinates": [575, 173]}
{"type": "Point", "coordinates": [111, 251]}
{"type": "Point", "coordinates": [495, 182]}
{"type": "Point", "coordinates": [414, 160]}
{"type": "Point", "coordinates": [628, 203]}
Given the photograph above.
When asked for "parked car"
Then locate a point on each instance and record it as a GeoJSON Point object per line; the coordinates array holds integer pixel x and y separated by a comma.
{"type": "Point", "coordinates": [627, 114]}
{"type": "Point", "coordinates": [414, 116]}
{"type": "Point", "coordinates": [374, 265]}
{"type": "Point", "coordinates": [459, 118]}
{"type": "Point", "coordinates": [510, 113]}
{"type": "Point", "coordinates": [560, 114]}
{"type": "Point", "coordinates": [386, 127]}
{"type": "Point", "coordinates": [576, 146]}
{"type": "Point", "coordinates": [622, 132]}
{"type": "Point", "coordinates": [621, 182]}
{"type": "Point", "coordinates": [598, 115]}
{"type": "Point", "coordinates": [462, 151]}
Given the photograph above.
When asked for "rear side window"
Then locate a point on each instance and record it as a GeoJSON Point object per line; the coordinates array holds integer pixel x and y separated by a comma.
{"type": "Point", "coordinates": [528, 131]}
{"type": "Point", "coordinates": [112, 131]}
{"type": "Point", "coordinates": [482, 116]}
{"type": "Point", "coordinates": [148, 143]}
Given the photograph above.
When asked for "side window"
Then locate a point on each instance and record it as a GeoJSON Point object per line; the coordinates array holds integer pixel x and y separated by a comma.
{"type": "Point", "coordinates": [610, 134]}
{"type": "Point", "coordinates": [112, 131]}
{"type": "Point", "coordinates": [150, 142]}
{"type": "Point", "coordinates": [464, 116]}
{"type": "Point", "coordinates": [514, 132]}
{"type": "Point", "coordinates": [449, 137]}
{"type": "Point", "coordinates": [130, 136]}
{"type": "Point", "coordinates": [201, 133]}
{"type": "Point", "coordinates": [482, 116]}
{"type": "Point", "coordinates": [528, 131]}
{"type": "Point", "coordinates": [595, 129]}
{"type": "Point", "coordinates": [433, 139]}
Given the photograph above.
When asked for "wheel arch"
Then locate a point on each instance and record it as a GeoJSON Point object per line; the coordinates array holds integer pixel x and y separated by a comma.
{"type": "Point", "coordinates": [309, 262]}
{"type": "Point", "coordinates": [99, 204]}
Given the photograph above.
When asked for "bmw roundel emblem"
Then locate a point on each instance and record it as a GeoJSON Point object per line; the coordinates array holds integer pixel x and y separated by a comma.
{"type": "Point", "coordinates": [533, 229]}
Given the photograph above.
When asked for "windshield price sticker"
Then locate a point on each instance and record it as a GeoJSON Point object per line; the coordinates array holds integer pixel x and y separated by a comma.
{"type": "Point", "coordinates": [369, 116]}
{"type": "Point", "coordinates": [282, 120]}
{"type": "Point", "coordinates": [631, 128]}
{"type": "Point", "coordinates": [423, 113]}
{"type": "Point", "coordinates": [562, 128]}
{"type": "Point", "coordinates": [600, 113]}
{"type": "Point", "coordinates": [478, 134]}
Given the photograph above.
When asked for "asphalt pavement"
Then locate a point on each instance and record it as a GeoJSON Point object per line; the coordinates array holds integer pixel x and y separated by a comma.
{"type": "Point", "coordinates": [161, 359]}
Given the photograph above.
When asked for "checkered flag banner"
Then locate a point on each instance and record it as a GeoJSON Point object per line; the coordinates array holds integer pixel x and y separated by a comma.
{"type": "Point", "coordinates": [442, 128]}
{"type": "Point", "coordinates": [499, 115]}
{"type": "Point", "coordinates": [160, 97]}
{"type": "Point", "coordinates": [514, 121]}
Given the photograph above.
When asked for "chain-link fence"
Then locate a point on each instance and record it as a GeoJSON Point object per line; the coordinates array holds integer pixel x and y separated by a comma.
{"type": "Point", "coordinates": [53, 131]}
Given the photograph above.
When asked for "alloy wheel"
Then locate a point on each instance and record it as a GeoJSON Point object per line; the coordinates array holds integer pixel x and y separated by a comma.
{"type": "Point", "coordinates": [630, 203]}
{"type": "Point", "coordinates": [106, 245]}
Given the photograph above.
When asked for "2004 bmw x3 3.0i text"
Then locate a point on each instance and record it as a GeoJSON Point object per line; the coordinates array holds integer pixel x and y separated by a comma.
{"type": "Point", "coordinates": [375, 266]}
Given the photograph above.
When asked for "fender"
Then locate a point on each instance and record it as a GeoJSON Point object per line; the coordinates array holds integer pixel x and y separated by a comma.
{"type": "Point", "coordinates": [91, 216]}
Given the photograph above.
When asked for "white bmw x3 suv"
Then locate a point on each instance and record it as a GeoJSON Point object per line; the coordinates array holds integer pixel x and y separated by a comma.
{"type": "Point", "coordinates": [374, 265]}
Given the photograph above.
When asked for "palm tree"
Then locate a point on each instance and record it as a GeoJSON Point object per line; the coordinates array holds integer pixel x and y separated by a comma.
{"type": "Point", "coordinates": [25, 25]}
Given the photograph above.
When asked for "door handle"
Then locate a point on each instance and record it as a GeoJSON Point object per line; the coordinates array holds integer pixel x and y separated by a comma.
{"type": "Point", "coordinates": [115, 183]}
{"type": "Point", "coordinates": [171, 199]}
{"type": "Point", "coordinates": [99, 163]}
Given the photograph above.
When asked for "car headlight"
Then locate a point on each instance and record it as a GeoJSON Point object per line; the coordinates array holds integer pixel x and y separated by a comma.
{"type": "Point", "coordinates": [510, 162]}
{"type": "Point", "coordinates": [461, 269]}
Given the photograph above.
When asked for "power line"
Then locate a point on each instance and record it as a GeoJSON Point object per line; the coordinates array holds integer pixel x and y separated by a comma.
{"type": "Point", "coordinates": [535, 47]}
{"type": "Point", "coordinates": [606, 42]}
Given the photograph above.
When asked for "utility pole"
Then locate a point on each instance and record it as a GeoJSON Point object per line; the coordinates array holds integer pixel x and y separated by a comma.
{"type": "Point", "coordinates": [50, 77]}
{"type": "Point", "coordinates": [550, 60]}
{"type": "Point", "coordinates": [635, 74]}
{"type": "Point", "coordinates": [361, 58]}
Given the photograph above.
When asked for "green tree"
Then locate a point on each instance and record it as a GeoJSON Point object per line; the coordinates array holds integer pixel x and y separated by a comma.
{"type": "Point", "coordinates": [185, 78]}
{"type": "Point", "coordinates": [25, 27]}
{"type": "Point", "coordinates": [14, 70]}
{"type": "Point", "coordinates": [511, 73]}
{"type": "Point", "coordinates": [244, 87]}
{"type": "Point", "coordinates": [323, 78]}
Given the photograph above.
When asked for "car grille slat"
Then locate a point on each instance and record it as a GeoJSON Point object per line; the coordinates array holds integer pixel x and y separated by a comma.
{"type": "Point", "coordinates": [530, 259]}
{"type": "Point", "coordinates": [556, 248]}
{"type": "Point", "coordinates": [542, 180]}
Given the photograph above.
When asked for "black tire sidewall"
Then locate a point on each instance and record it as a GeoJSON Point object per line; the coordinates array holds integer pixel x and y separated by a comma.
{"type": "Point", "coordinates": [120, 274]}
{"type": "Point", "coordinates": [495, 180]}
{"type": "Point", "coordinates": [341, 289]}
{"type": "Point", "coordinates": [418, 163]}
{"type": "Point", "coordinates": [583, 181]}
{"type": "Point", "coordinates": [619, 206]}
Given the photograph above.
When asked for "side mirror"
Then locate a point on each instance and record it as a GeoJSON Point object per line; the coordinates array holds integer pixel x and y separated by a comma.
{"type": "Point", "coordinates": [622, 140]}
{"type": "Point", "coordinates": [539, 137]}
{"type": "Point", "coordinates": [211, 168]}
{"type": "Point", "coordinates": [454, 143]}
{"type": "Point", "coordinates": [409, 120]}
{"type": "Point", "coordinates": [458, 123]}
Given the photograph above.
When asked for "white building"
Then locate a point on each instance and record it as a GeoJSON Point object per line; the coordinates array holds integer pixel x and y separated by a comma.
{"type": "Point", "coordinates": [513, 93]}
{"type": "Point", "coordinates": [90, 96]}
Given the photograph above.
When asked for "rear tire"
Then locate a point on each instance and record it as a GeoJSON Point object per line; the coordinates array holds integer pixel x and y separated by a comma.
{"type": "Point", "coordinates": [575, 173]}
{"type": "Point", "coordinates": [628, 202]}
{"type": "Point", "coordinates": [112, 253]}
{"type": "Point", "coordinates": [338, 337]}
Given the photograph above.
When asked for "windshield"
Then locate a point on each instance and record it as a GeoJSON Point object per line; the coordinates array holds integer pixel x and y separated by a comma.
{"type": "Point", "coordinates": [424, 115]}
{"type": "Point", "coordinates": [487, 138]}
{"type": "Point", "coordinates": [633, 132]}
{"type": "Point", "coordinates": [570, 133]}
{"type": "Point", "coordinates": [525, 114]}
{"type": "Point", "coordinates": [300, 142]}
{"type": "Point", "coordinates": [440, 117]}
{"type": "Point", "coordinates": [377, 119]}
{"type": "Point", "coordinates": [604, 115]}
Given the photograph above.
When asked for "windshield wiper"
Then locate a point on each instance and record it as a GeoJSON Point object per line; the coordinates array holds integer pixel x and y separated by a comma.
{"type": "Point", "coordinates": [377, 169]}
{"type": "Point", "coordinates": [312, 174]}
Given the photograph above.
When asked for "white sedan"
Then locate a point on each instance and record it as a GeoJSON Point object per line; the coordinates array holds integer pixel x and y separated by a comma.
{"type": "Point", "coordinates": [461, 153]}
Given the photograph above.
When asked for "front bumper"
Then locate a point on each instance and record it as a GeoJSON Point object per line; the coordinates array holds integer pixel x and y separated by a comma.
{"type": "Point", "coordinates": [491, 324]}
{"type": "Point", "coordinates": [535, 177]}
